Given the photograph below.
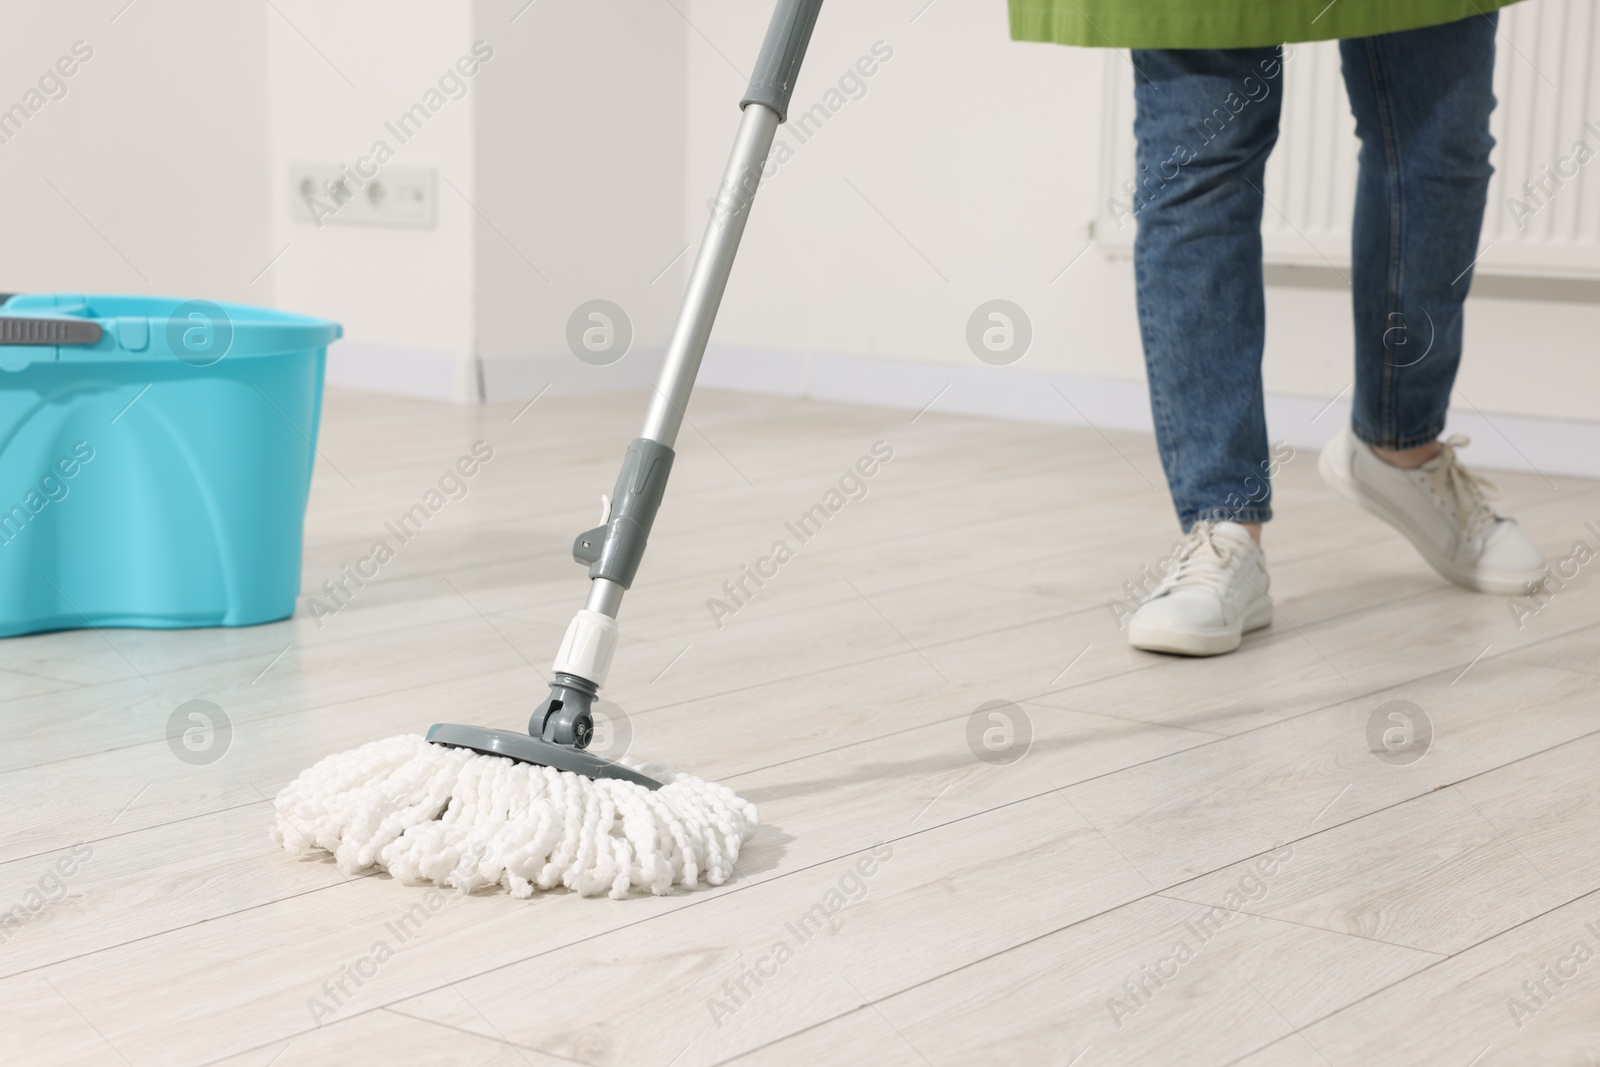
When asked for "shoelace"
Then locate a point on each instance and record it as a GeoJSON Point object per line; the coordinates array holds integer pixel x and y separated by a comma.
{"type": "Point", "coordinates": [1469, 492]}
{"type": "Point", "coordinates": [1202, 563]}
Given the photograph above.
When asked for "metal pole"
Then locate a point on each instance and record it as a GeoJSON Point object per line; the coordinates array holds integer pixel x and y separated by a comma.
{"type": "Point", "coordinates": [605, 597]}
{"type": "Point", "coordinates": [613, 550]}
{"type": "Point", "coordinates": [710, 274]}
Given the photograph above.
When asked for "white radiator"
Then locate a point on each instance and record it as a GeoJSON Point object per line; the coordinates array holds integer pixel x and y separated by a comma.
{"type": "Point", "coordinates": [1543, 215]}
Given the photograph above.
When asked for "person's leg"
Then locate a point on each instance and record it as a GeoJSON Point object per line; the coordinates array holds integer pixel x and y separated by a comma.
{"type": "Point", "coordinates": [1205, 123]}
{"type": "Point", "coordinates": [1421, 100]}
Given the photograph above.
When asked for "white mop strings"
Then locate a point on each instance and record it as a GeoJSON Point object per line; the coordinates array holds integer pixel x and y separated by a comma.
{"type": "Point", "coordinates": [427, 813]}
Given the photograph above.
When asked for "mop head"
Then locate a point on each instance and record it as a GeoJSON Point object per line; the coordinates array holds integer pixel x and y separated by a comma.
{"type": "Point", "coordinates": [428, 813]}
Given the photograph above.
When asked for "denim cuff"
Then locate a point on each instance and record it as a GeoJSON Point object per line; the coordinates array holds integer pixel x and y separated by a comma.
{"type": "Point", "coordinates": [1396, 444]}
{"type": "Point", "coordinates": [1239, 515]}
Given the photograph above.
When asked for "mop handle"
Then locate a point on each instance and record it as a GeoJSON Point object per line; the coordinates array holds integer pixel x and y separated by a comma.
{"type": "Point", "coordinates": [765, 106]}
{"type": "Point", "coordinates": [614, 549]}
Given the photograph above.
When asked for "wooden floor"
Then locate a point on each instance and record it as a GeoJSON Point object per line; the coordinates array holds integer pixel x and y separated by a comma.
{"type": "Point", "coordinates": [1192, 862]}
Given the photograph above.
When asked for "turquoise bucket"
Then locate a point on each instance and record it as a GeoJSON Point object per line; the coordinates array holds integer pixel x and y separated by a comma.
{"type": "Point", "coordinates": [155, 459]}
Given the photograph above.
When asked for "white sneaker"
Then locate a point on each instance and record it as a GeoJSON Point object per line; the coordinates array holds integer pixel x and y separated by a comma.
{"type": "Point", "coordinates": [1215, 593]}
{"type": "Point", "coordinates": [1442, 509]}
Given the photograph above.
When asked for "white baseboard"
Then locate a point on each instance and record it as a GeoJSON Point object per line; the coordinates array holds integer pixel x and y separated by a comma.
{"type": "Point", "coordinates": [1521, 443]}
{"type": "Point", "coordinates": [1499, 442]}
{"type": "Point", "coordinates": [522, 376]}
{"type": "Point", "coordinates": [435, 374]}
{"type": "Point", "coordinates": [430, 373]}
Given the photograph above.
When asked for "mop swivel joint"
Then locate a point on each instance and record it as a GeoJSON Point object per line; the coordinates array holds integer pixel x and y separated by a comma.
{"type": "Point", "coordinates": [564, 718]}
{"type": "Point", "coordinates": [557, 736]}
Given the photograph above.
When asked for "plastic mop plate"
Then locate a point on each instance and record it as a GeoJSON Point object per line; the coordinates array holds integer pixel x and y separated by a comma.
{"type": "Point", "coordinates": [526, 748]}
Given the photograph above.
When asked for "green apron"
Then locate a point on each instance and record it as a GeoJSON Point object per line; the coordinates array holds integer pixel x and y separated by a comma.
{"type": "Point", "coordinates": [1227, 23]}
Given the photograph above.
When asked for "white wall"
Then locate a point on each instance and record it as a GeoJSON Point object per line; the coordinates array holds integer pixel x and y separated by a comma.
{"type": "Point", "coordinates": [589, 145]}
{"type": "Point", "coordinates": [338, 72]}
{"type": "Point", "coordinates": [580, 163]}
{"type": "Point", "coordinates": [155, 153]}
{"type": "Point", "coordinates": [560, 180]}
{"type": "Point", "coordinates": [981, 153]}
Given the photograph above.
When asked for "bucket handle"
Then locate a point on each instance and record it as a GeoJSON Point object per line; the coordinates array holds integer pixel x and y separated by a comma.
{"type": "Point", "coordinates": [48, 331]}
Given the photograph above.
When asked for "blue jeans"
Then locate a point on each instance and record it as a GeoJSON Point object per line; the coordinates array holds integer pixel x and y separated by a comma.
{"type": "Point", "coordinates": [1205, 123]}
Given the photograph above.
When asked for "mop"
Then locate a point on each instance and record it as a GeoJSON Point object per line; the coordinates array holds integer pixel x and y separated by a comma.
{"type": "Point", "coordinates": [471, 807]}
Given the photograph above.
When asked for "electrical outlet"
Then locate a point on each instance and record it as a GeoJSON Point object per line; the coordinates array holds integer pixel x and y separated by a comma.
{"type": "Point", "coordinates": [330, 193]}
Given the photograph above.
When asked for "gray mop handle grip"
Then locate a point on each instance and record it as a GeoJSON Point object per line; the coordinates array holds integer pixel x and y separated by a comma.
{"type": "Point", "coordinates": [779, 65]}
